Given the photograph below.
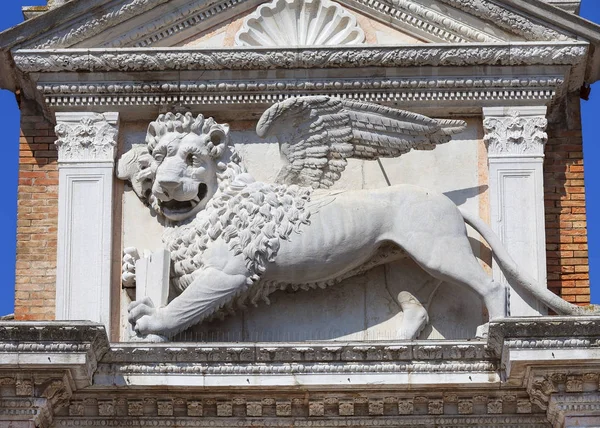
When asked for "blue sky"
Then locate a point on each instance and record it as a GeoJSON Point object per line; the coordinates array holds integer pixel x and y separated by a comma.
{"type": "Point", "coordinates": [9, 121]}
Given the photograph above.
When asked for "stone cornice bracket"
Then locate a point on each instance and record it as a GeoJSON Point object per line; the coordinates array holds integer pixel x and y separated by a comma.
{"type": "Point", "coordinates": [557, 360]}
{"type": "Point", "coordinates": [42, 365]}
{"type": "Point", "coordinates": [515, 132]}
{"type": "Point", "coordinates": [86, 137]}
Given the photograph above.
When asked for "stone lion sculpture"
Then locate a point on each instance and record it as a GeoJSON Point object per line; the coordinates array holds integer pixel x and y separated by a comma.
{"type": "Point", "coordinates": [234, 240]}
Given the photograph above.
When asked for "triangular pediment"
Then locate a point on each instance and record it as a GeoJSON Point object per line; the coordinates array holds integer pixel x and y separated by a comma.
{"type": "Point", "coordinates": [218, 23]}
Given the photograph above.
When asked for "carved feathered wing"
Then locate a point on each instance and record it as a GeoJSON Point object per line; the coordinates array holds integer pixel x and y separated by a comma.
{"type": "Point", "coordinates": [317, 134]}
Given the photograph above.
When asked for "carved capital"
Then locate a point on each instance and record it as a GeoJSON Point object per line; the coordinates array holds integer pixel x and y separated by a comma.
{"type": "Point", "coordinates": [515, 134]}
{"type": "Point", "coordinates": [86, 136]}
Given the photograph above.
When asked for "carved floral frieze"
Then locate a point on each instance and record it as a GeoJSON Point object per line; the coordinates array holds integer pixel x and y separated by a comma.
{"type": "Point", "coordinates": [160, 59]}
{"type": "Point", "coordinates": [90, 138]}
{"type": "Point", "coordinates": [515, 134]}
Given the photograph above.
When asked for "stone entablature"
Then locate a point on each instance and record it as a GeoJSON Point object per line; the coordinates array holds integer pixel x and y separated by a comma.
{"type": "Point", "coordinates": [531, 372]}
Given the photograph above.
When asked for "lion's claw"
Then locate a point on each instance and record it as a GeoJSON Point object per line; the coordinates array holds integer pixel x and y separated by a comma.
{"type": "Point", "coordinates": [130, 256]}
{"type": "Point", "coordinates": [143, 316]}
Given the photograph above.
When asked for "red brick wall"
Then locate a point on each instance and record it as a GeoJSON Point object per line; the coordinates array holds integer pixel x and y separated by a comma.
{"type": "Point", "coordinates": [566, 232]}
{"type": "Point", "coordinates": [37, 218]}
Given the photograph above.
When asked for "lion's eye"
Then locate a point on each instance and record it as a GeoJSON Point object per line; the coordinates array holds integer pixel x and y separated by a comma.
{"type": "Point", "coordinates": [159, 157]}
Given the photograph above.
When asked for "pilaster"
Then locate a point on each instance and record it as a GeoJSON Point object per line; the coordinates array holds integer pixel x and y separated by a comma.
{"type": "Point", "coordinates": [515, 138]}
{"type": "Point", "coordinates": [86, 151]}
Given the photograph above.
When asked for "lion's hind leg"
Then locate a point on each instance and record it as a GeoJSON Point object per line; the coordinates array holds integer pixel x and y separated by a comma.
{"type": "Point", "coordinates": [450, 258]}
{"type": "Point", "coordinates": [415, 316]}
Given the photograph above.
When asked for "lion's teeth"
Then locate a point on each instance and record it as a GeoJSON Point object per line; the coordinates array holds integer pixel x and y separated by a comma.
{"type": "Point", "coordinates": [193, 203]}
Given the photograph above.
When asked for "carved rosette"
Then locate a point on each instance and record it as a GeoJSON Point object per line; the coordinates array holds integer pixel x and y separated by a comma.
{"type": "Point", "coordinates": [91, 138]}
{"type": "Point", "coordinates": [515, 135]}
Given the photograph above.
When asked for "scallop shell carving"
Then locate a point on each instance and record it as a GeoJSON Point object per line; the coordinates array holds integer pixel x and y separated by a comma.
{"type": "Point", "coordinates": [300, 23]}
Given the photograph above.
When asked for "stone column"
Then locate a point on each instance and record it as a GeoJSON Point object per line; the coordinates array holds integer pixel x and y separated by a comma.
{"type": "Point", "coordinates": [515, 138]}
{"type": "Point", "coordinates": [86, 151]}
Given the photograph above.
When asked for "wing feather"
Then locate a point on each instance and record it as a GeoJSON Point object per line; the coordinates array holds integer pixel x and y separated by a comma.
{"type": "Point", "coordinates": [318, 133]}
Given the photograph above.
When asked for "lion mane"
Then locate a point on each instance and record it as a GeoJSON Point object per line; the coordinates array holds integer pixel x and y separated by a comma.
{"type": "Point", "coordinates": [250, 216]}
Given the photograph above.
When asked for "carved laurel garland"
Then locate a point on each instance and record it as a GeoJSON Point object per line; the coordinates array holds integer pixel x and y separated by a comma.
{"type": "Point", "coordinates": [515, 135]}
{"type": "Point", "coordinates": [252, 59]}
{"type": "Point", "coordinates": [506, 19]}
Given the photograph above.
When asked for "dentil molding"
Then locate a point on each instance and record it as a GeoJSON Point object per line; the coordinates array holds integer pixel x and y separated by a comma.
{"type": "Point", "coordinates": [460, 89]}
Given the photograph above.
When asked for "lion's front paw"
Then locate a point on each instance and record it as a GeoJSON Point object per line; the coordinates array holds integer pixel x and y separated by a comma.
{"type": "Point", "coordinates": [144, 317]}
{"type": "Point", "coordinates": [130, 256]}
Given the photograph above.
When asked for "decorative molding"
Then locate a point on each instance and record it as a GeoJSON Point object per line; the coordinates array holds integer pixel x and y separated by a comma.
{"type": "Point", "coordinates": [160, 59]}
{"type": "Point", "coordinates": [48, 334]}
{"type": "Point", "coordinates": [515, 135]}
{"type": "Point", "coordinates": [439, 89]}
{"type": "Point", "coordinates": [265, 26]}
{"type": "Point", "coordinates": [284, 406]}
{"type": "Point", "coordinates": [304, 368]}
{"type": "Point", "coordinates": [175, 22]}
{"type": "Point", "coordinates": [92, 25]}
{"type": "Point", "coordinates": [299, 352]}
{"type": "Point", "coordinates": [538, 332]}
{"type": "Point", "coordinates": [507, 20]}
{"type": "Point", "coordinates": [37, 397]}
{"type": "Point", "coordinates": [425, 20]}
{"type": "Point", "coordinates": [504, 421]}
{"type": "Point", "coordinates": [86, 137]}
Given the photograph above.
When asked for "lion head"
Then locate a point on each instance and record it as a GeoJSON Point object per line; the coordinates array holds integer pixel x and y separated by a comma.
{"type": "Point", "coordinates": [177, 171]}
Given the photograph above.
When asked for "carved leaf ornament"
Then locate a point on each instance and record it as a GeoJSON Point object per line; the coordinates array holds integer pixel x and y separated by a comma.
{"type": "Point", "coordinates": [300, 23]}
{"type": "Point", "coordinates": [515, 135]}
{"type": "Point", "coordinates": [91, 138]}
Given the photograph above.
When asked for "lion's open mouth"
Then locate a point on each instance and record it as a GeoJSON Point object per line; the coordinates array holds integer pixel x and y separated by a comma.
{"type": "Point", "coordinates": [184, 206]}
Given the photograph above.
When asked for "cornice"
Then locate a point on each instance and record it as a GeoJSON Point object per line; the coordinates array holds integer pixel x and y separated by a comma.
{"type": "Point", "coordinates": [541, 332]}
{"type": "Point", "coordinates": [177, 59]}
{"type": "Point", "coordinates": [177, 21]}
{"type": "Point", "coordinates": [76, 346]}
{"type": "Point", "coordinates": [507, 20]}
{"type": "Point", "coordinates": [423, 21]}
{"type": "Point", "coordinates": [87, 26]}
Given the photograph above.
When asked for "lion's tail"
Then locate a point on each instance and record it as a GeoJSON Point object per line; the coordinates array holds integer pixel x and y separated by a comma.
{"type": "Point", "coordinates": [512, 270]}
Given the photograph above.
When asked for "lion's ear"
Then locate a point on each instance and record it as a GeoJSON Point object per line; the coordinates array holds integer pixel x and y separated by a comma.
{"type": "Point", "coordinates": [128, 165]}
{"type": "Point", "coordinates": [218, 138]}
